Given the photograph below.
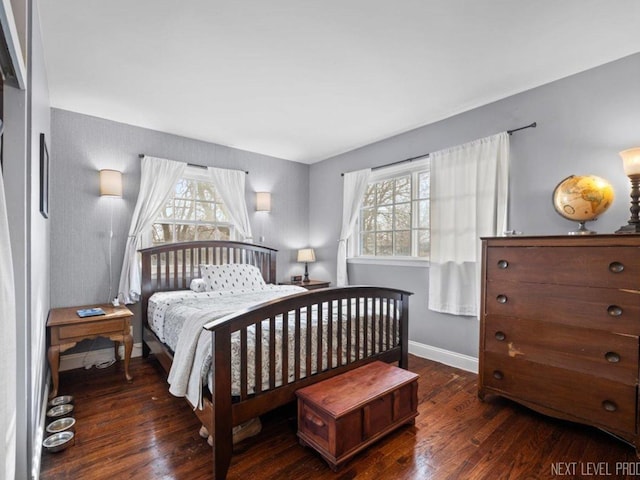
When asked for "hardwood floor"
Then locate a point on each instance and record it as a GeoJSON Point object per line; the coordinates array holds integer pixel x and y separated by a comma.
{"type": "Point", "coordinates": [140, 431]}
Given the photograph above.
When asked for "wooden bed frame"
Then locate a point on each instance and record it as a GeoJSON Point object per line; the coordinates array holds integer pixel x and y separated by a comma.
{"type": "Point", "coordinates": [377, 309]}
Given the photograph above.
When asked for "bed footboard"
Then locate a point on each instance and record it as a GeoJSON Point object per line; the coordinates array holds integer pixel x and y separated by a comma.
{"type": "Point", "coordinates": [352, 326]}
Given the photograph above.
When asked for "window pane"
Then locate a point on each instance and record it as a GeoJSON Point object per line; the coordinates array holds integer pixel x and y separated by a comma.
{"type": "Point", "coordinates": [423, 243]}
{"type": "Point", "coordinates": [423, 185]}
{"type": "Point", "coordinates": [368, 244]}
{"type": "Point", "coordinates": [206, 191]}
{"type": "Point", "coordinates": [423, 214]}
{"type": "Point", "coordinates": [161, 233]}
{"type": "Point", "coordinates": [184, 210]}
{"type": "Point", "coordinates": [370, 196]}
{"type": "Point", "coordinates": [222, 214]}
{"type": "Point", "coordinates": [184, 189]}
{"type": "Point", "coordinates": [394, 216]}
{"type": "Point", "coordinates": [403, 189]}
{"type": "Point", "coordinates": [403, 216]}
{"type": "Point", "coordinates": [205, 211]}
{"type": "Point", "coordinates": [185, 233]}
{"type": "Point", "coordinates": [368, 220]}
{"type": "Point", "coordinates": [384, 218]}
{"type": "Point", "coordinates": [384, 192]}
{"type": "Point", "coordinates": [210, 232]}
{"type": "Point", "coordinates": [402, 244]}
{"type": "Point", "coordinates": [384, 243]}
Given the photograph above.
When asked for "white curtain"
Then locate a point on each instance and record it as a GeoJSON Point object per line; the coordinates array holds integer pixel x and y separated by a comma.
{"type": "Point", "coordinates": [157, 179]}
{"type": "Point", "coordinates": [8, 358]}
{"type": "Point", "coordinates": [469, 194]}
{"type": "Point", "coordinates": [230, 186]}
{"type": "Point", "coordinates": [355, 184]}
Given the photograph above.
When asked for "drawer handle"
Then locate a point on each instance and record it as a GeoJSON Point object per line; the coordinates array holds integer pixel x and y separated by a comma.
{"type": "Point", "coordinates": [614, 310]}
{"type": "Point", "coordinates": [315, 420]}
{"type": "Point", "coordinates": [500, 336]}
{"type": "Point", "coordinates": [612, 357]}
{"type": "Point", "coordinates": [498, 375]}
{"type": "Point", "coordinates": [503, 264]}
{"type": "Point", "coordinates": [616, 267]}
{"type": "Point", "coordinates": [501, 299]}
{"type": "Point", "coordinates": [609, 406]}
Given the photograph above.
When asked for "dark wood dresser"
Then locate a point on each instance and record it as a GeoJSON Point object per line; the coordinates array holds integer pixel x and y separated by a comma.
{"type": "Point", "coordinates": [560, 321]}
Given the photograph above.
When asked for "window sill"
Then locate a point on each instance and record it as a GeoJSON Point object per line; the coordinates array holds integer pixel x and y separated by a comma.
{"type": "Point", "coordinates": [394, 261]}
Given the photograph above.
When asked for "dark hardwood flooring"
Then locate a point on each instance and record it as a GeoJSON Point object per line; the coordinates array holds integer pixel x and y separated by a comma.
{"type": "Point", "coordinates": [140, 431]}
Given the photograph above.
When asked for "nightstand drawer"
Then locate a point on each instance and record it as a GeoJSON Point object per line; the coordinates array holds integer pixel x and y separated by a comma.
{"type": "Point", "coordinates": [93, 328]}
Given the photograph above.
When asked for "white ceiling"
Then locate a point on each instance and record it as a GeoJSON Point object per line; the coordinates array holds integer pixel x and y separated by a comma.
{"type": "Point", "coordinates": [304, 80]}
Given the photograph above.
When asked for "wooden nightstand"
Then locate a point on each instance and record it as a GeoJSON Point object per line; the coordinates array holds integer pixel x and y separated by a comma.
{"type": "Point", "coordinates": [66, 329]}
{"type": "Point", "coordinates": [310, 285]}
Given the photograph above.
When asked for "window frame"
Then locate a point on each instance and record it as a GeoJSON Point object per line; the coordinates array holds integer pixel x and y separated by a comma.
{"type": "Point", "coordinates": [198, 174]}
{"type": "Point", "coordinates": [413, 168]}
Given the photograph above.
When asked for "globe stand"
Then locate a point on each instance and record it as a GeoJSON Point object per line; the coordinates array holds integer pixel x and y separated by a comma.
{"type": "Point", "coordinates": [582, 230]}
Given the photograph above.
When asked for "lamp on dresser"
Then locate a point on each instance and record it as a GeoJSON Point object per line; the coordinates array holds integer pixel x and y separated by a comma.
{"type": "Point", "coordinates": [631, 163]}
{"type": "Point", "coordinates": [306, 255]}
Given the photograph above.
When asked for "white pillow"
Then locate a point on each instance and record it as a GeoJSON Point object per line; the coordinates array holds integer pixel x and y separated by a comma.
{"type": "Point", "coordinates": [230, 276]}
{"type": "Point", "coordinates": [198, 285]}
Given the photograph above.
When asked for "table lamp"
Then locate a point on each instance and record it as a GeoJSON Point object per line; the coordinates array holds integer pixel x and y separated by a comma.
{"type": "Point", "coordinates": [306, 255]}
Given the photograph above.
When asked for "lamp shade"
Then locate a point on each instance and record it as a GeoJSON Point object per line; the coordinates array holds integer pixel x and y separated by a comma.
{"type": "Point", "coordinates": [306, 255]}
{"type": "Point", "coordinates": [631, 161]}
{"type": "Point", "coordinates": [263, 202]}
{"type": "Point", "coordinates": [110, 183]}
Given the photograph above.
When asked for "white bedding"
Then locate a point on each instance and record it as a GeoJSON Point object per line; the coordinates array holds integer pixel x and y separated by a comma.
{"type": "Point", "coordinates": [178, 318]}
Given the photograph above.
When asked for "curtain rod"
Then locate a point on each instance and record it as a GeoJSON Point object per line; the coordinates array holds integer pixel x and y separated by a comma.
{"type": "Point", "coordinates": [142, 155]}
{"type": "Point", "coordinates": [424, 155]}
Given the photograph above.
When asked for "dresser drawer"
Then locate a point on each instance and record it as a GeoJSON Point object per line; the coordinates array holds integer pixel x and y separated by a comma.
{"type": "Point", "coordinates": [596, 308]}
{"type": "Point", "coordinates": [598, 401]}
{"type": "Point", "coordinates": [92, 328]}
{"type": "Point", "coordinates": [607, 355]}
{"type": "Point", "coordinates": [613, 267]}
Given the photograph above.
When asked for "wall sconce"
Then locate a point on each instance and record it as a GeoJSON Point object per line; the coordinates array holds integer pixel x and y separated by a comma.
{"type": "Point", "coordinates": [306, 255]}
{"type": "Point", "coordinates": [111, 186]}
{"type": "Point", "coordinates": [263, 202]}
{"type": "Point", "coordinates": [631, 163]}
{"type": "Point", "coordinates": [110, 183]}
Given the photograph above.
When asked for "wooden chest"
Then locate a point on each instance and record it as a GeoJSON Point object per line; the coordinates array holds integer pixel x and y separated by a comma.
{"type": "Point", "coordinates": [560, 327]}
{"type": "Point", "coordinates": [342, 415]}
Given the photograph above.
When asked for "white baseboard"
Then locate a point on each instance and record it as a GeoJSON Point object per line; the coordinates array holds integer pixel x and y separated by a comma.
{"type": "Point", "coordinates": [36, 459]}
{"type": "Point", "coordinates": [94, 357]}
{"type": "Point", "coordinates": [453, 359]}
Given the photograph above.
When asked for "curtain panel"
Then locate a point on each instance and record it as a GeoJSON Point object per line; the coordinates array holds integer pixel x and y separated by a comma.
{"type": "Point", "coordinates": [355, 184]}
{"type": "Point", "coordinates": [230, 186]}
{"type": "Point", "coordinates": [469, 196]}
{"type": "Point", "coordinates": [8, 354]}
{"type": "Point", "coordinates": [157, 179]}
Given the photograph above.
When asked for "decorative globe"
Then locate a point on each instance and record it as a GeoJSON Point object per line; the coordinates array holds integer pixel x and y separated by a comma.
{"type": "Point", "coordinates": [582, 198]}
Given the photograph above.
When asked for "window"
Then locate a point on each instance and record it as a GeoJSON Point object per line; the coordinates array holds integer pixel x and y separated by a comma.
{"type": "Point", "coordinates": [394, 217]}
{"type": "Point", "coordinates": [195, 211]}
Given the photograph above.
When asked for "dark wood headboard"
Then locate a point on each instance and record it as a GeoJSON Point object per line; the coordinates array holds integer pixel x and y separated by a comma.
{"type": "Point", "coordinates": [172, 266]}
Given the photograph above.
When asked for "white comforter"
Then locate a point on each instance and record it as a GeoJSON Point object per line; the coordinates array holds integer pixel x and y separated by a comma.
{"type": "Point", "coordinates": [192, 358]}
{"type": "Point", "coordinates": [192, 353]}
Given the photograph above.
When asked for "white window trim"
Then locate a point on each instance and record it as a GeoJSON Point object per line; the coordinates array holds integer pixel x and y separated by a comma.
{"type": "Point", "coordinates": [394, 261]}
{"type": "Point", "coordinates": [352, 245]}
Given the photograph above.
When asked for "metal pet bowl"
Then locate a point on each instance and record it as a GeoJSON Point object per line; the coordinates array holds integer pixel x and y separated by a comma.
{"type": "Point", "coordinates": [62, 425]}
{"type": "Point", "coordinates": [58, 441]}
{"type": "Point", "coordinates": [61, 400]}
{"type": "Point", "coordinates": [59, 410]}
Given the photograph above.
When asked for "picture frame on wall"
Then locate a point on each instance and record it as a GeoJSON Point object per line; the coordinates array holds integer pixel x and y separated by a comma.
{"type": "Point", "coordinates": [44, 177]}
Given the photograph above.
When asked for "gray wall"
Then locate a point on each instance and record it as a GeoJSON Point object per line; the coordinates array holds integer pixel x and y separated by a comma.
{"type": "Point", "coordinates": [26, 115]}
{"type": "Point", "coordinates": [583, 122]}
{"type": "Point", "coordinates": [81, 145]}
